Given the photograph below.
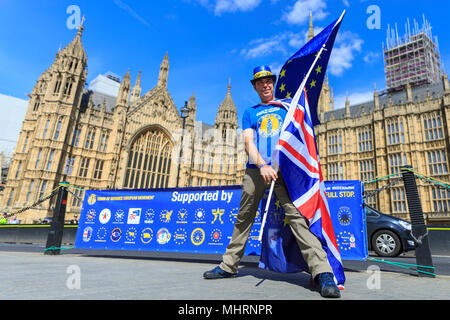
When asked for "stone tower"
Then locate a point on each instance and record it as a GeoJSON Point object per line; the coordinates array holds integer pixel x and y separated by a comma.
{"type": "Point", "coordinates": [164, 71]}
{"type": "Point", "coordinates": [119, 120]}
{"type": "Point", "coordinates": [136, 91]}
{"type": "Point", "coordinates": [43, 144]}
{"type": "Point", "coordinates": [225, 134]}
{"type": "Point", "coordinates": [311, 28]}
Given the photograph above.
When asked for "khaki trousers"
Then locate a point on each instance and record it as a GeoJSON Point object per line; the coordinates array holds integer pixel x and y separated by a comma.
{"type": "Point", "coordinates": [253, 187]}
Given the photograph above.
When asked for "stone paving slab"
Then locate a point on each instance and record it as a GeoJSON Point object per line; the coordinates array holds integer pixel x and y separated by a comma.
{"type": "Point", "coordinates": [32, 276]}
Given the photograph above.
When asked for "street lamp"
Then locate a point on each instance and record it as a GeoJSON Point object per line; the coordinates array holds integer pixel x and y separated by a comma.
{"type": "Point", "coordinates": [184, 114]}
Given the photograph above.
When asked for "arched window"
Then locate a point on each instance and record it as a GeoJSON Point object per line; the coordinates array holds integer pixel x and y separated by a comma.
{"type": "Point", "coordinates": [58, 84]}
{"type": "Point", "coordinates": [149, 161]}
{"type": "Point", "coordinates": [68, 86]}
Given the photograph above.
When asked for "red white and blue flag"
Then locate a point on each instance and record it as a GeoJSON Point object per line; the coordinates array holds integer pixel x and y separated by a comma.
{"type": "Point", "coordinates": [297, 157]}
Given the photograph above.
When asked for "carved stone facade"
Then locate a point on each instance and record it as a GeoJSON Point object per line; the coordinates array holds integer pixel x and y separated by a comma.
{"type": "Point", "coordinates": [374, 139]}
{"type": "Point", "coordinates": [96, 141]}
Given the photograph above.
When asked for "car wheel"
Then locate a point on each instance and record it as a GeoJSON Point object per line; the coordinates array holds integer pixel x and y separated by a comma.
{"type": "Point", "coordinates": [386, 243]}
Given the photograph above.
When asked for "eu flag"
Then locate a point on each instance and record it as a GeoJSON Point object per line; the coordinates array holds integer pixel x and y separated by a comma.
{"type": "Point", "coordinates": [298, 65]}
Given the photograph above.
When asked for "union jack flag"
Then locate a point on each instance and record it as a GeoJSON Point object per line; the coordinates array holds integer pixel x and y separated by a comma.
{"type": "Point", "coordinates": [298, 159]}
{"type": "Point", "coordinates": [300, 167]}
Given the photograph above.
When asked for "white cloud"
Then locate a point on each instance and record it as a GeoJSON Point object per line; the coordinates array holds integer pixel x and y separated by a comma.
{"type": "Point", "coordinates": [262, 49]}
{"type": "Point", "coordinates": [265, 46]}
{"type": "Point", "coordinates": [299, 12]}
{"type": "Point", "coordinates": [298, 40]}
{"type": "Point", "coordinates": [282, 42]}
{"type": "Point", "coordinates": [372, 57]}
{"type": "Point", "coordinates": [346, 46]}
{"type": "Point", "coordinates": [222, 6]}
{"type": "Point", "coordinates": [235, 5]}
{"type": "Point", "coordinates": [346, 3]}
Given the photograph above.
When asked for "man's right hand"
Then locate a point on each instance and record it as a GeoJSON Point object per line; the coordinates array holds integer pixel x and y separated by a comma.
{"type": "Point", "coordinates": [268, 174]}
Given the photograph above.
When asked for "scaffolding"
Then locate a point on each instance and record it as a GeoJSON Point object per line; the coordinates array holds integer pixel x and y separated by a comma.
{"type": "Point", "coordinates": [413, 58]}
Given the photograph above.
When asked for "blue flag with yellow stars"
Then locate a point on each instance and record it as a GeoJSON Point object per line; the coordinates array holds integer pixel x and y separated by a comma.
{"type": "Point", "coordinates": [298, 65]}
{"type": "Point", "coordinates": [280, 251]}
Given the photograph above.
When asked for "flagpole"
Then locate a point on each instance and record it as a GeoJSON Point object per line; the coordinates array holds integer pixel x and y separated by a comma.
{"type": "Point", "coordinates": [286, 121]}
{"type": "Point", "coordinates": [266, 210]}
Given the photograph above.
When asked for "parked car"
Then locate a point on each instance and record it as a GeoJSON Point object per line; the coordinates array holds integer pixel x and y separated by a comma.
{"type": "Point", "coordinates": [47, 220]}
{"type": "Point", "coordinates": [388, 236]}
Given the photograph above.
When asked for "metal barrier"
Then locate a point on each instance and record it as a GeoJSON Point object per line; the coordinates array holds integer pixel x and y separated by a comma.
{"type": "Point", "coordinates": [439, 238]}
{"type": "Point", "coordinates": [34, 233]}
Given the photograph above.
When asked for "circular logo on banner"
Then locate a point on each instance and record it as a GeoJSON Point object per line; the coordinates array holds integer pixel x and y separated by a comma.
{"type": "Point", "coordinates": [91, 199]}
{"type": "Point", "coordinates": [163, 236]}
{"type": "Point", "coordinates": [216, 235]}
{"type": "Point", "coordinates": [180, 236]}
{"type": "Point", "coordinates": [149, 215]}
{"type": "Point", "coordinates": [165, 215]}
{"type": "Point", "coordinates": [104, 216]}
{"type": "Point", "coordinates": [198, 236]}
{"type": "Point", "coordinates": [101, 233]}
{"type": "Point", "coordinates": [233, 214]}
{"type": "Point", "coordinates": [345, 240]}
{"type": "Point", "coordinates": [344, 216]}
{"type": "Point", "coordinates": [116, 234]}
{"type": "Point", "coordinates": [182, 215]}
{"type": "Point", "coordinates": [87, 234]}
{"type": "Point", "coordinates": [200, 215]}
{"type": "Point", "coordinates": [90, 215]}
{"type": "Point", "coordinates": [269, 125]}
{"type": "Point", "coordinates": [119, 216]}
{"type": "Point", "coordinates": [130, 235]}
{"type": "Point", "coordinates": [146, 235]}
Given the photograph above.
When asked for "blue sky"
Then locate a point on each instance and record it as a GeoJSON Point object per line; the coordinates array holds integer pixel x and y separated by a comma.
{"type": "Point", "coordinates": [208, 42]}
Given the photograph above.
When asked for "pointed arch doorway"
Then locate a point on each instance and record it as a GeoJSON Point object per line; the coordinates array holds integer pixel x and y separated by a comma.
{"type": "Point", "coordinates": [149, 160]}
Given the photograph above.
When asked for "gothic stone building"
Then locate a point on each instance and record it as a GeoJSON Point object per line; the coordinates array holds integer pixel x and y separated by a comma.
{"type": "Point", "coordinates": [96, 141]}
{"type": "Point", "coordinates": [374, 139]}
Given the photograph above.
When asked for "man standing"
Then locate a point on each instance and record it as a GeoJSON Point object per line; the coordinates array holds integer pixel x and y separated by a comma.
{"type": "Point", "coordinates": [261, 126]}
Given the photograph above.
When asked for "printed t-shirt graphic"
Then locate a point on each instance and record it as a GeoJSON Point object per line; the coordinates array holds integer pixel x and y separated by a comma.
{"type": "Point", "coordinates": [266, 120]}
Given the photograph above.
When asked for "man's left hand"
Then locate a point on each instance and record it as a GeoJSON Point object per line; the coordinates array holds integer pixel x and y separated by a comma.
{"type": "Point", "coordinates": [268, 174]}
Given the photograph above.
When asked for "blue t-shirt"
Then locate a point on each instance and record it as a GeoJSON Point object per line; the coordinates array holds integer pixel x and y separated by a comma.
{"type": "Point", "coordinates": [266, 120]}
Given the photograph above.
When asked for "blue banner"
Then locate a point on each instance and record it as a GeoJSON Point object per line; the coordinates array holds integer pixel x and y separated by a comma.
{"type": "Point", "coordinates": [199, 219]}
{"type": "Point", "coordinates": [345, 200]}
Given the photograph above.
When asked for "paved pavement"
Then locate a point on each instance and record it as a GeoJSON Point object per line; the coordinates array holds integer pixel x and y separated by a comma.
{"type": "Point", "coordinates": [26, 273]}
